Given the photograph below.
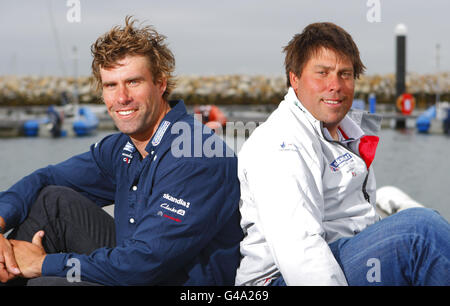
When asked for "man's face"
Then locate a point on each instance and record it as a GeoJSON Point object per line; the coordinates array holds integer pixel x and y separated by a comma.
{"type": "Point", "coordinates": [133, 101]}
{"type": "Point", "coordinates": [326, 87]}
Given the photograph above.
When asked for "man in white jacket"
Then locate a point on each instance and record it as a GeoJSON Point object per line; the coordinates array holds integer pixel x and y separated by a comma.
{"type": "Point", "coordinates": [308, 188]}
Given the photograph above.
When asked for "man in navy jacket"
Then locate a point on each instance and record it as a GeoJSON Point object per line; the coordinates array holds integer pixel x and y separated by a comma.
{"type": "Point", "coordinates": [173, 181]}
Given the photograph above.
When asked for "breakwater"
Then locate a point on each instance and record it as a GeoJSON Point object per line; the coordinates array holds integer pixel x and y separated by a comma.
{"type": "Point", "coordinates": [220, 89]}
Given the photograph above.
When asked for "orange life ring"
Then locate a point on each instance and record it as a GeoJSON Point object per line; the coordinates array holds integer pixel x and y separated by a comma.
{"type": "Point", "coordinates": [406, 103]}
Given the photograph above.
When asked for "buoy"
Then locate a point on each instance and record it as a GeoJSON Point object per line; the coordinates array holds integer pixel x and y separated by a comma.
{"type": "Point", "coordinates": [406, 103]}
{"type": "Point", "coordinates": [31, 128]}
{"type": "Point", "coordinates": [86, 124]}
{"type": "Point", "coordinates": [372, 103]}
{"type": "Point", "coordinates": [423, 122]}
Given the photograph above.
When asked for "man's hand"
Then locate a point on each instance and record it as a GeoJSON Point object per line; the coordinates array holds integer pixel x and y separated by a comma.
{"type": "Point", "coordinates": [30, 256]}
{"type": "Point", "coordinates": [8, 265]}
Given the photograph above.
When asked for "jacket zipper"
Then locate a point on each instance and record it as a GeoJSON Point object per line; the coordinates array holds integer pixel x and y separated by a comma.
{"type": "Point", "coordinates": [364, 191]}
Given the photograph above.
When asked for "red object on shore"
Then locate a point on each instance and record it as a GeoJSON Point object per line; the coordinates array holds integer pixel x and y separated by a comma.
{"type": "Point", "coordinates": [212, 116]}
{"type": "Point", "coordinates": [406, 103]}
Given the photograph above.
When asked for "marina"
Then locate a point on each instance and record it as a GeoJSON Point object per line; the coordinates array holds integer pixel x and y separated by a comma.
{"type": "Point", "coordinates": [14, 119]}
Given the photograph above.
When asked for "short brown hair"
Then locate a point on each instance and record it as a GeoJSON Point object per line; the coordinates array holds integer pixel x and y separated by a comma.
{"type": "Point", "coordinates": [314, 37]}
{"type": "Point", "coordinates": [129, 40]}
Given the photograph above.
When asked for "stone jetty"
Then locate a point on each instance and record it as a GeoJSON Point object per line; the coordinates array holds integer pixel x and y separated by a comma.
{"type": "Point", "coordinates": [220, 89]}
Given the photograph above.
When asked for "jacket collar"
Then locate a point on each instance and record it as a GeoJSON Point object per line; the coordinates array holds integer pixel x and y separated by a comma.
{"type": "Point", "coordinates": [178, 109]}
{"type": "Point", "coordinates": [299, 110]}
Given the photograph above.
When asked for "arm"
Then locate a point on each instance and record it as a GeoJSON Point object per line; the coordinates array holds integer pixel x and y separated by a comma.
{"type": "Point", "coordinates": [287, 191]}
{"type": "Point", "coordinates": [161, 245]}
{"type": "Point", "coordinates": [83, 173]}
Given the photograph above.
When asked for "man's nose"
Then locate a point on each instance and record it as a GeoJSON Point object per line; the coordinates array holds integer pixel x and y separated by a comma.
{"type": "Point", "coordinates": [123, 95]}
{"type": "Point", "coordinates": [334, 82]}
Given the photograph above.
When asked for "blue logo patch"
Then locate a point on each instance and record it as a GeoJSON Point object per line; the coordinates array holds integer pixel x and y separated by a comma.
{"type": "Point", "coordinates": [335, 164]}
{"type": "Point", "coordinates": [129, 147]}
{"type": "Point", "coordinates": [288, 147]}
{"type": "Point", "coordinates": [160, 133]}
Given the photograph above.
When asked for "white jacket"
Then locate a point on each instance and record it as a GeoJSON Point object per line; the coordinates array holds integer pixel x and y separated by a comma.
{"type": "Point", "coordinates": [301, 191]}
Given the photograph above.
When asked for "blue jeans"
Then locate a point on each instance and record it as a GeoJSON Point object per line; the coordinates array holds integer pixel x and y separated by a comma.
{"type": "Point", "coordinates": [411, 247]}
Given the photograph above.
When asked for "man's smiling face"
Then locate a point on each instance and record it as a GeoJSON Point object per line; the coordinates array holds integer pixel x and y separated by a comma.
{"type": "Point", "coordinates": [326, 86]}
{"type": "Point", "coordinates": [133, 100]}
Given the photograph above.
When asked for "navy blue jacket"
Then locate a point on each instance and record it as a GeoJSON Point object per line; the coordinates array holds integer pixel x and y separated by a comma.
{"type": "Point", "coordinates": [176, 211]}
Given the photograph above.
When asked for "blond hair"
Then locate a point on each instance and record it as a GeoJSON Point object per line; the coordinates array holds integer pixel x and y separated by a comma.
{"type": "Point", "coordinates": [130, 40]}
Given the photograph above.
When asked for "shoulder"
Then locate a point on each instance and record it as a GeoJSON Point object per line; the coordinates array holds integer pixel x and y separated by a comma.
{"type": "Point", "coordinates": [283, 133]}
{"type": "Point", "coordinates": [112, 142]}
{"type": "Point", "coordinates": [110, 148]}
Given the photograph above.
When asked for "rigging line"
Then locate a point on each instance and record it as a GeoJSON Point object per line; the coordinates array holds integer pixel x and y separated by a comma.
{"type": "Point", "coordinates": [56, 38]}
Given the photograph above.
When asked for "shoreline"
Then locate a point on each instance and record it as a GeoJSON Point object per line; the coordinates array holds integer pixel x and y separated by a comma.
{"type": "Point", "coordinates": [219, 89]}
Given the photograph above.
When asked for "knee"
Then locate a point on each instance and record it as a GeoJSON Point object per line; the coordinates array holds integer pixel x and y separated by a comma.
{"type": "Point", "coordinates": [421, 215]}
{"type": "Point", "coordinates": [51, 195]}
{"type": "Point", "coordinates": [52, 190]}
{"type": "Point", "coordinates": [424, 221]}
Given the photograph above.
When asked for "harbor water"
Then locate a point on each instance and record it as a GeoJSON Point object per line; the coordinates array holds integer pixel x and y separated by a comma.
{"type": "Point", "coordinates": [416, 163]}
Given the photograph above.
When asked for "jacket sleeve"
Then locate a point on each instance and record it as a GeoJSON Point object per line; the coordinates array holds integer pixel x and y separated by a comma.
{"type": "Point", "coordinates": [83, 173]}
{"type": "Point", "coordinates": [169, 235]}
{"type": "Point", "coordinates": [288, 194]}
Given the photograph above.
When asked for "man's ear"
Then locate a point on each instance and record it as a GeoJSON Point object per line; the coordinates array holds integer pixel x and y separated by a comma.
{"type": "Point", "coordinates": [293, 79]}
{"type": "Point", "coordinates": [162, 85]}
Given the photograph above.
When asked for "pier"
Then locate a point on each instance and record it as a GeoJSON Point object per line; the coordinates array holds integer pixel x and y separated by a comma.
{"type": "Point", "coordinates": [12, 118]}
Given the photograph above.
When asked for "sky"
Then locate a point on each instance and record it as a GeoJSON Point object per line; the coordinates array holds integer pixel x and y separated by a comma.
{"type": "Point", "coordinates": [212, 37]}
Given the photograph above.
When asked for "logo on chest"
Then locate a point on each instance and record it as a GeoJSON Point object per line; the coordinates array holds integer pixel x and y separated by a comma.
{"type": "Point", "coordinates": [340, 161]}
{"type": "Point", "coordinates": [170, 206]}
{"type": "Point", "coordinates": [127, 152]}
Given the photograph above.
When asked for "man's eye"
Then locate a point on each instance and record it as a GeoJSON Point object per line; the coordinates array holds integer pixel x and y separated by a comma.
{"type": "Point", "coordinates": [347, 75]}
